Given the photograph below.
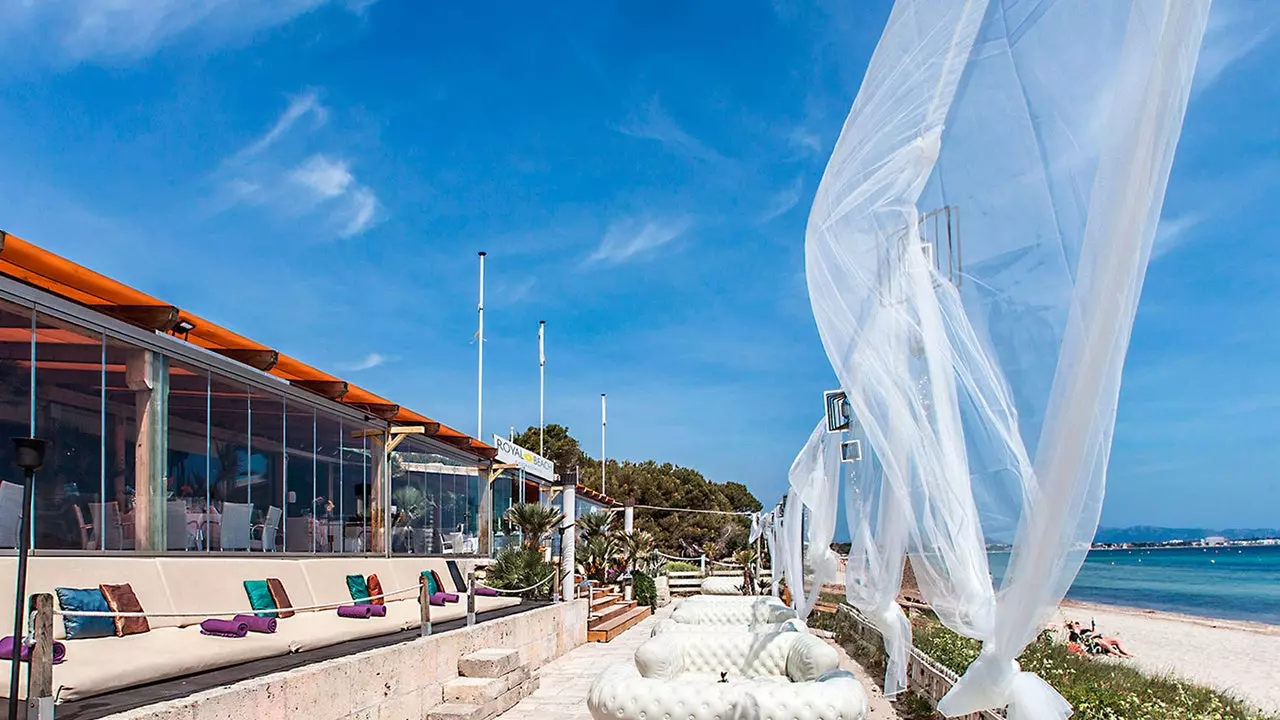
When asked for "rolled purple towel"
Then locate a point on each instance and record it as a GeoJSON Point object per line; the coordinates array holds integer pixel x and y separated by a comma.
{"type": "Point", "coordinates": [355, 611]}
{"type": "Point", "coordinates": [218, 627]}
{"type": "Point", "coordinates": [486, 591]}
{"type": "Point", "coordinates": [449, 597]}
{"type": "Point", "coordinates": [378, 610]}
{"type": "Point", "coordinates": [6, 651]}
{"type": "Point", "coordinates": [258, 624]}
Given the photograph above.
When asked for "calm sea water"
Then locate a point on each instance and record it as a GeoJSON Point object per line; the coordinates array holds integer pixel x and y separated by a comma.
{"type": "Point", "coordinates": [1231, 583]}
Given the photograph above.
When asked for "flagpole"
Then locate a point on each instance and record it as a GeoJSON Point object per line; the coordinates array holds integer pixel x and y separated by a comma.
{"type": "Point", "coordinates": [602, 453]}
{"type": "Point", "coordinates": [542, 385]}
{"type": "Point", "coordinates": [480, 358]}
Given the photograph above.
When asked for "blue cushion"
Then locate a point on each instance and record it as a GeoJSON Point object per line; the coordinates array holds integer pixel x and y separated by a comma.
{"type": "Point", "coordinates": [87, 600]}
{"type": "Point", "coordinates": [432, 586]}
{"type": "Point", "coordinates": [359, 589]}
{"type": "Point", "coordinates": [260, 598]}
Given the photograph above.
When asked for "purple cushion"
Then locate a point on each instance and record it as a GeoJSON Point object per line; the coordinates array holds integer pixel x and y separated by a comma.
{"type": "Point", "coordinates": [486, 591]}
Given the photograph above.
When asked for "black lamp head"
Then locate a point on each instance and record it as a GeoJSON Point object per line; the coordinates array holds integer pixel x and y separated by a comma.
{"type": "Point", "coordinates": [29, 452]}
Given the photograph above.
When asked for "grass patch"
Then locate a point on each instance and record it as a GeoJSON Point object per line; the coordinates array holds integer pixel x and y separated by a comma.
{"type": "Point", "coordinates": [681, 566]}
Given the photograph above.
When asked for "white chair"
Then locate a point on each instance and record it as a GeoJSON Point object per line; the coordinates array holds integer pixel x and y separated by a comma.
{"type": "Point", "coordinates": [176, 532]}
{"type": "Point", "coordinates": [88, 533]}
{"type": "Point", "coordinates": [10, 514]}
{"type": "Point", "coordinates": [732, 610]}
{"type": "Point", "coordinates": [719, 585]}
{"type": "Point", "coordinates": [741, 675]}
{"type": "Point", "coordinates": [265, 533]}
{"type": "Point", "coordinates": [233, 533]}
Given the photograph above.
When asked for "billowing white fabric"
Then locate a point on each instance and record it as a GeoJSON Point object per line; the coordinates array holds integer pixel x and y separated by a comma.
{"type": "Point", "coordinates": [984, 367]}
{"type": "Point", "coordinates": [772, 523]}
{"type": "Point", "coordinates": [814, 484]}
{"type": "Point", "coordinates": [876, 511]}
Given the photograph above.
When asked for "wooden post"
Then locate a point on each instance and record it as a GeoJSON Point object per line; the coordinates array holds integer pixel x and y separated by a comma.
{"type": "Point", "coordinates": [40, 673]}
{"type": "Point", "coordinates": [471, 597]}
{"type": "Point", "coordinates": [484, 524]}
{"type": "Point", "coordinates": [147, 376]}
{"type": "Point", "coordinates": [379, 496]}
{"type": "Point", "coordinates": [424, 603]}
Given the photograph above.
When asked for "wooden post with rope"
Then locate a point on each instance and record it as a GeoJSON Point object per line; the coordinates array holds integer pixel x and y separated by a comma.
{"type": "Point", "coordinates": [424, 609]}
{"type": "Point", "coordinates": [40, 673]}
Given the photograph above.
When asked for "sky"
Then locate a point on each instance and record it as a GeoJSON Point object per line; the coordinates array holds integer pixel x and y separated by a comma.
{"type": "Point", "coordinates": [319, 176]}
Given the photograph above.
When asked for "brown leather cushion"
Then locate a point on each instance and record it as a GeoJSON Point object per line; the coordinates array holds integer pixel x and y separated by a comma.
{"type": "Point", "coordinates": [375, 589]}
{"type": "Point", "coordinates": [121, 599]}
{"type": "Point", "coordinates": [276, 588]}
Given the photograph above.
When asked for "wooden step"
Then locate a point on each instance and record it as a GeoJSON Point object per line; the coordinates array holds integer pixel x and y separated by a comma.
{"type": "Point", "coordinates": [615, 627]}
{"type": "Point", "coordinates": [605, 615]}
{"type": "Point", "coordinates": [603, 601]}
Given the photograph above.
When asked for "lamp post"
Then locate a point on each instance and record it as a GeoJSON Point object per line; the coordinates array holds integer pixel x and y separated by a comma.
{"type": "Point", "coordinates": [29, 455]}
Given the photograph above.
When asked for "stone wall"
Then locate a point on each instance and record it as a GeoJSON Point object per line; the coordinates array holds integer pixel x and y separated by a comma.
{"type": "Point", "coordinates": [399, 682]}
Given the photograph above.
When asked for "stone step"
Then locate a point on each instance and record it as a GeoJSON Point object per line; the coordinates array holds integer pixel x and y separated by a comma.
{"type": "Point", "coordinates": [489, 663]}
{"type": "Point", "coordinates": [486, 710]}
{"type": "Point", "coordinates": [480, 690]}
{"type": "Point", "coordinates": [610, 612]}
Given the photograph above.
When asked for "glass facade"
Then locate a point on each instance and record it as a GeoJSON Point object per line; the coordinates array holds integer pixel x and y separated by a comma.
{"type": "Point", "coordinates": [156, 451]}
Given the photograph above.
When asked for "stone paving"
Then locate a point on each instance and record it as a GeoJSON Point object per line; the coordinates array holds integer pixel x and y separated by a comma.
{"type": "Point", "coordinates": [564, 682]}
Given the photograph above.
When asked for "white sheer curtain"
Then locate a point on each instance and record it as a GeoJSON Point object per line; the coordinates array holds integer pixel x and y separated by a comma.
{"type": "Point", "coordinates": [984, 367]}
{"type": "Point", "coordinates": [815, 486]}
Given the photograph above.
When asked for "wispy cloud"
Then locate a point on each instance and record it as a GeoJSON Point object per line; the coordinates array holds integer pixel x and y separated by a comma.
{"type": "Point", "coordinates": [633, 237]}
{"type": "Point", "coordinates": [782, 201]}
{"type": "Point", "coordinates": [1235, 29]}
{"type": "Point", "coordinates": [655, 124]}
{"type": "Point", "coordinates": [370, 361]}
{"type": "Point", "coordinates": [280, 169]}
{"type": "Point", "coordinates": [124, 30]}
{"type": "Point", "coordinates": [1174, 232]}
{"type": "Point", "coordinates": [300, 106]}
{"type": "Point", "coordinates": [805, 141]}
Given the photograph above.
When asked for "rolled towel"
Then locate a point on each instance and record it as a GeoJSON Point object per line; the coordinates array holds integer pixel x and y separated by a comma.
{"type": "Point", "coordinates": [6, 651]}
{"type": "Point", "coordinates": [378, 610]}
{"type": "Point", "coordinates": [449, 597]}
{"type": "Point", "coordinates": [441, 598]}
{"type": "Point", "coordinates": [355, 611]}
{"type": "Point", "coordinates": [218, 627]}
{"type": "Point", "coordinates": [486, 591]}
{"type": "Point", "coordinates": [258, 624]}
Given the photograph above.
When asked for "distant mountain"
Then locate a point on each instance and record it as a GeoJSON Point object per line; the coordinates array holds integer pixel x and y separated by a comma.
{"type": "Point", "coordinates": [1152, 534]}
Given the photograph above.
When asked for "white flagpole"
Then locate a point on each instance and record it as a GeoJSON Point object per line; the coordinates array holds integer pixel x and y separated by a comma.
{"type": "Point", "coordinates": [602, 453]}
{"type": "Point", "coordinates": [542, 385]}
{"type": "Point", "coordinates": [480, 353]}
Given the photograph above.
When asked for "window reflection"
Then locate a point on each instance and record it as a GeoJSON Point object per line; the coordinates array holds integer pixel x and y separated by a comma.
{"type": "Point", "coordinates": [301, 531]}
{"type": "Point", "coordinates": [190, 461]}
{"type": "Point", "coordinates": [15, 411]}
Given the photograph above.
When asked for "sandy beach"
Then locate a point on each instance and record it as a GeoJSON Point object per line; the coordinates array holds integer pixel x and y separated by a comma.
{"type": "Point", "coordinates": [1233, 656]}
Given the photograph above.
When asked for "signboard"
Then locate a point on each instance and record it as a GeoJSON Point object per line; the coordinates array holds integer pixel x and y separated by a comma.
{"type": "Point", "coordinates": [532, 463]}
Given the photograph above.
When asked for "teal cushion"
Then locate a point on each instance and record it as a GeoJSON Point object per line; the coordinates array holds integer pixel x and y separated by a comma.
{"type": "Point", "coordinates": [87, 600]}
{"type": "Point", "coordinates": [260, 598]}
{"type": "Point", "coordinates": [359, 589]}
{"type": "Point", "coordinates": [432, 586]}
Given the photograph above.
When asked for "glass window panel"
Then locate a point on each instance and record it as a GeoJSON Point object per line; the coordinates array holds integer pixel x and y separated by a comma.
{"type": "Point", "coordinates": [329, 466]}
{"type": "Point", "coordinates": [265, 484]}
{"type": "Point", "coordinates": [15, 409]}
{"type": "Point", "coordinates": [301, 531]}
{"type": "Point", "coordinates": [190, 461]}
{"type": "Point", "coordinates": [471, 520]}
{"type": "Point", "coordinates": [229, 444]}
{"type": "Point", "coordinates": [354, 505]}
{"type": "Point", "coordinates": [113, 519]}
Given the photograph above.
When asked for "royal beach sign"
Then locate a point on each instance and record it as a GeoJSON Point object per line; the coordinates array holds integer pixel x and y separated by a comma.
{"type": "Point", "coordinates": [531, 462]}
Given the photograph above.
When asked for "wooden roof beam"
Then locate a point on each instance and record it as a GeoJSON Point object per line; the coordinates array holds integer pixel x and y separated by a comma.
{"type": "Point", "coordinates": [151, 317]}
{"type": "Point", "coordinates": [262, 360]}
{"type": "Point", "coordinates": [331, 389]}
{"type": "Point", "coordinates": [382, 411]}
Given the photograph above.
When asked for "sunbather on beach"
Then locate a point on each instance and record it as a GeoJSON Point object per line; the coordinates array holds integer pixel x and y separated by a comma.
{"type": "Point", "coordinates": [1094, 642]}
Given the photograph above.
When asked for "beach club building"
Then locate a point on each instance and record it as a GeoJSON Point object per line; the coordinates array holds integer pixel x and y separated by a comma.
{"type": "Point", "coordinates": [171, 434]}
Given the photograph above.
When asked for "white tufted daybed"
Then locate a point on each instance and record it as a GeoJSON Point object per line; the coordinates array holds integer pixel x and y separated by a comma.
{"type": "Point", "coordinates": [725, 610]}
{"type": "Point", "coordinates": [667, 625]}
{"type": "Point", "coordinates": [738, 675]}
{"type": "Point", "coordinates": [721, 586]}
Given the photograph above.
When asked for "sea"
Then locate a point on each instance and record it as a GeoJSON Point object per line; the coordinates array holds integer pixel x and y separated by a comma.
{"type": "Point", "coordinates": [1233, 583]}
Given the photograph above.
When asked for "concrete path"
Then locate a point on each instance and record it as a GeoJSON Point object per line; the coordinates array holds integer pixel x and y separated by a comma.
{"type": "Point", "coordinates": [564, 682]}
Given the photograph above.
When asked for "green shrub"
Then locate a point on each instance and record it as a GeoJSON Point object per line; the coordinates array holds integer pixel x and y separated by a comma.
{"type": "Point", "coordinates": [646, 590]}
{"type": "Point", "coordinates": [681, 566]}
{"type": "Point", "coordinates": [520, 567]}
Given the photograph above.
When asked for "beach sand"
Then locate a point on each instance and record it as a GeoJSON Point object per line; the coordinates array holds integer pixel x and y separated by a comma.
{"type": "Point", "coordinates": [1229, 655]}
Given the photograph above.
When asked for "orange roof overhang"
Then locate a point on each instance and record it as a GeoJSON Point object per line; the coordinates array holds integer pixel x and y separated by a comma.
{"type": "Point", "coordinates": [52, 273]}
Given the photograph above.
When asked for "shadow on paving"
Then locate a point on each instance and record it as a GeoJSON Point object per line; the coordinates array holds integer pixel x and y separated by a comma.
{"type": "Point", "coordinates": [174, 688]}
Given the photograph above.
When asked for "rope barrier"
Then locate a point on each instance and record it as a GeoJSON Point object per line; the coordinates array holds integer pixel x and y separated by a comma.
{"type": "Point", "coordinates": [233, 613]}
{"type": "Point", "coordinates": [673, 557]}
{"type": "Point", "coordinates": [517, 592]}
{"type": "Point", "coordinates": [695, 510]}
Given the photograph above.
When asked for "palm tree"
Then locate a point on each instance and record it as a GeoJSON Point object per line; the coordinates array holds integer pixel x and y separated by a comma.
{"type": "Point", "coordinates": [598, 556]}
{"type": "Point", "coordinates": [535, 522]}
{"type": "Point", "coordinates": [637, 549]}
{"type": "Point", "coordinates": [521, 568]}
{"type": "Point", "coordinates": [746, 557]}
{"type": "Point", "coordinates": [594, 525]}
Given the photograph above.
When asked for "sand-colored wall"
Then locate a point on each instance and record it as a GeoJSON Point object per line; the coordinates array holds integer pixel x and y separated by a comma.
{"type": "Point", "coordinates": [400, 682]}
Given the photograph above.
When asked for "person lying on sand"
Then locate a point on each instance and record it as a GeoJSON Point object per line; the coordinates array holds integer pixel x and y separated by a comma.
{"type": "Point", "coordinates": [1094, 642]}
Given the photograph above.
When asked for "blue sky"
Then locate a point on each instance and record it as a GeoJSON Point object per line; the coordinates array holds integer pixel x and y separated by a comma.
{"type": "Point", "coordinates": [319, 176]}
